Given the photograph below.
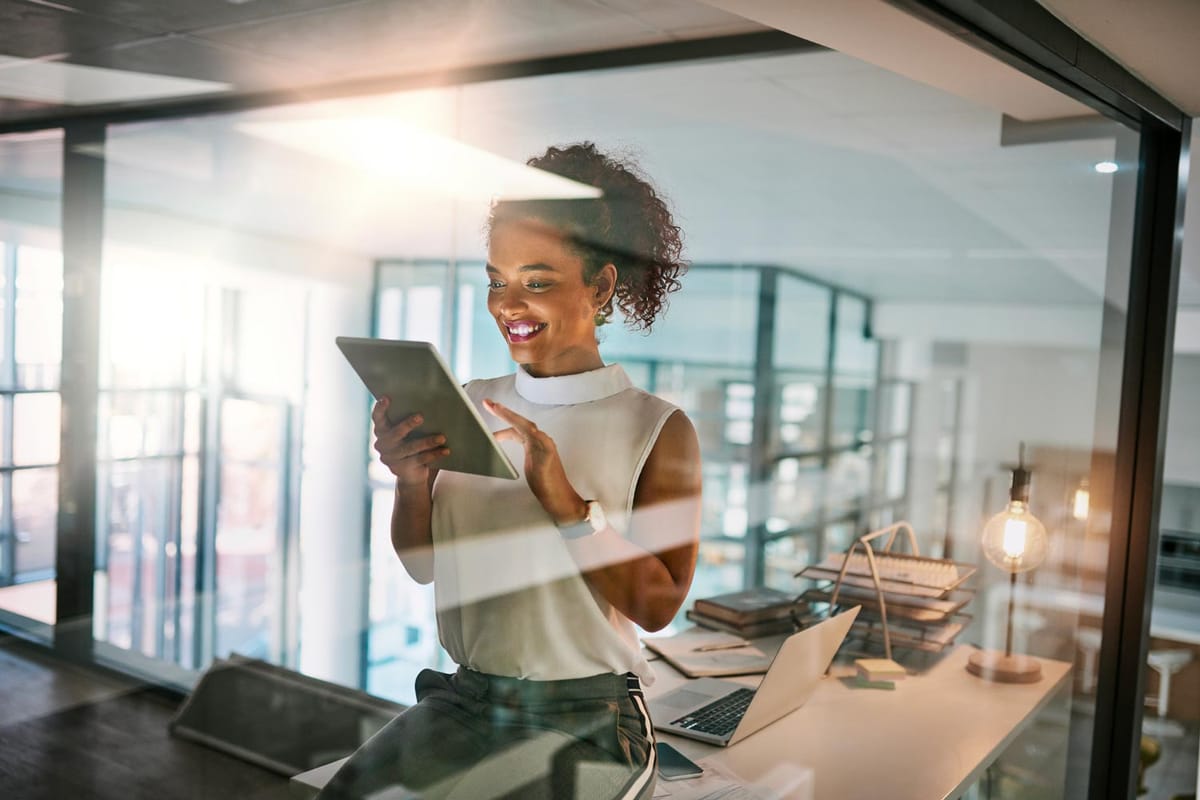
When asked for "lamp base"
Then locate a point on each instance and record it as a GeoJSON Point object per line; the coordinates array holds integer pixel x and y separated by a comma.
{"type": "Point", "coordinates": [992, 665]}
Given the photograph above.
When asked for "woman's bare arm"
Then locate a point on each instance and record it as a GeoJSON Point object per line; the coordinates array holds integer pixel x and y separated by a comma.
{"type": "Point", "coordinates": [412, 529]}
{"type": "Point", "coordinates": [647, 575]}
{"type": "Point", "coordinates": [409, 460]}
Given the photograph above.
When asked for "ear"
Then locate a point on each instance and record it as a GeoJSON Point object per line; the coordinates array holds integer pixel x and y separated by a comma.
{"type": "Point", "coordinates": [604, 284]}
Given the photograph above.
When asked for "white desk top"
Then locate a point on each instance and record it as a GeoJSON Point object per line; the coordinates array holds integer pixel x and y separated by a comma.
{"type": "Point", "coordinates": [929, 739]}
{"type": "Point", "coordinates": [932, 737]}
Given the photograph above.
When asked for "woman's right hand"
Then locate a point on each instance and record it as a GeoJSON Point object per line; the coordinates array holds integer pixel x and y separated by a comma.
{"type": "Point", "coordinates": [408, 459]}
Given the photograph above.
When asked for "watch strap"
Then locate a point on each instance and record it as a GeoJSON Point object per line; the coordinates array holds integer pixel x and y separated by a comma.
{"type": "Point", "coordinates": [577, 530]}
{"type": "Point", "coordinates": [585, 527]}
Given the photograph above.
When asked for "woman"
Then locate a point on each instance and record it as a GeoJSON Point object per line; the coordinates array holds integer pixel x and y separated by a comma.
{"type": "Point", "coordinates": [539, 582]}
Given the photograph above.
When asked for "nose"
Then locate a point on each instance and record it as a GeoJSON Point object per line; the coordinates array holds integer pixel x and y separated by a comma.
{"type": "Point", "coordinates": [509, 301]}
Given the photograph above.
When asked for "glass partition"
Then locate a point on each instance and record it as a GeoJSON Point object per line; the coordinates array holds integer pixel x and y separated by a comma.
{"type": "Point", "coordinates": [31, 319]}
{"type": "Point", "coordinates": [885, 304]}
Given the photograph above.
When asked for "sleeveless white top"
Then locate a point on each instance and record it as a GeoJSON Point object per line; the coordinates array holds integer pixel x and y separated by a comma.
{"type": "Point", "coordinates": [510, 599]}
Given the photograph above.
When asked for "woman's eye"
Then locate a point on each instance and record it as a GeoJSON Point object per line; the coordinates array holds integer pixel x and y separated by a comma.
{"type": "Point", "coordinates": [495, 285]}
{"type": "Point", "coordinates": [538, 285]}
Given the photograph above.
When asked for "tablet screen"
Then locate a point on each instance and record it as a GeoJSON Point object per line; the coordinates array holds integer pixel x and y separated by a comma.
{"type": "Point", "coordinates": [416, 379]}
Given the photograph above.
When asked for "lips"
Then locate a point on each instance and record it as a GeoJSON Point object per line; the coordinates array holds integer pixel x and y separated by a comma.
{"type": "Point", "coordinates": [523, 330]}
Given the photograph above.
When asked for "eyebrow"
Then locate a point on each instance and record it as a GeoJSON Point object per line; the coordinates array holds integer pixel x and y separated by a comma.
{"type": "Point", "coordinates": [528, 268]}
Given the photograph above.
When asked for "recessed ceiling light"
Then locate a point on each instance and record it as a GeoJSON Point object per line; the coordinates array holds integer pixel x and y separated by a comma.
{"type": "Point", "coordinates": [1105, 167]}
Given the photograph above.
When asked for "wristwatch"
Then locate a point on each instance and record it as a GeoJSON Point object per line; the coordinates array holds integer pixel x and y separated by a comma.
{"type": "Point", "coordinates": [592, 523]}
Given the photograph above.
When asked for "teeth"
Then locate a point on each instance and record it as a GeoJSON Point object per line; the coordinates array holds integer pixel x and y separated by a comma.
{"type": "Point", "coordinates": [522, 328]}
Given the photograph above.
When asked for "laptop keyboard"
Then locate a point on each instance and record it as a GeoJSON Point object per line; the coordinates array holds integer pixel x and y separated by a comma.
{"type": "Point", "coordinates": [719, 717]}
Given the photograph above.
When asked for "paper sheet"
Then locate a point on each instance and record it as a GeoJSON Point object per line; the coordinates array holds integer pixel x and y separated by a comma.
{"type": "Point", "coordinates": [784, 781]}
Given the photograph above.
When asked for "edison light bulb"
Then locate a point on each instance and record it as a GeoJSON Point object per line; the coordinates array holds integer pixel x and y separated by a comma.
{"type": "Point", "coordinates": [1014, 539]}
{"type": "Point", "coordinates": [1015, 531]}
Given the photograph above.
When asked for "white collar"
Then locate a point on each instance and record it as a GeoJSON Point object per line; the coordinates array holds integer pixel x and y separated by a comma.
{"type": "Point", "coordinates": [581, 387]}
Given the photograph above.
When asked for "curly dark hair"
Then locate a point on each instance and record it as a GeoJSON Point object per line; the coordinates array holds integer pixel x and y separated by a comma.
{"type": "Point", "coordinates": [628, 226]}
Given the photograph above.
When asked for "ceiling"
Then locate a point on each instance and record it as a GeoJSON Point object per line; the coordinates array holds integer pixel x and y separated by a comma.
{"type": "Point", "coordinates": [1154, 39]}
{"type": "Point", "coordinates": [56, 55]}
{"type": "Point", "coordinates": [223, 46]}
{"type": "Point", "coordinates": [887, 178]}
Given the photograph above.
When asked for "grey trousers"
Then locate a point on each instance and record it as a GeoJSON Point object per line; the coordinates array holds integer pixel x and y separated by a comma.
{"type": "Point", "coordinates": [473, 736]}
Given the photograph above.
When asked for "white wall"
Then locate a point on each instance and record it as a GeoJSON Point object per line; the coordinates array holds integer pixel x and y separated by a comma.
{"type": "Point", "coordinates": [1183, 422]}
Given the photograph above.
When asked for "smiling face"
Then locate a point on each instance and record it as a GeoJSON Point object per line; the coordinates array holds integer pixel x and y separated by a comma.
{"type": "Point", "coordinates": [540, 301]}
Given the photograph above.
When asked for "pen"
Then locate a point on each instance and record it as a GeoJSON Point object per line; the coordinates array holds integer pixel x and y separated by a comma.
{"type": "Point", "coordinates": [704, 648]}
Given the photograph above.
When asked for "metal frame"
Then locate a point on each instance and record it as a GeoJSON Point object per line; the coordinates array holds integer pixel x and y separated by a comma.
{"type": "Point", "coordinates": [763, 367]}
{"type": "Point", "coordinates": [1024, 35]}
{"type": "Point", "coordinates": [8, 536]}
{"type": "Point", "coordinates": [864, 541]}
{"type": "Point", "coordinates": [364, 629]}
{"type": "Point", "coordinates": [1145, 394]}
{"type": "Point", "coordinates": [82, 240]}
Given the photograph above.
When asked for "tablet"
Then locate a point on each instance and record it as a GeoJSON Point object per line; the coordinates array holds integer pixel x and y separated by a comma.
{"type": "Point", "coordinates": [416, 379]}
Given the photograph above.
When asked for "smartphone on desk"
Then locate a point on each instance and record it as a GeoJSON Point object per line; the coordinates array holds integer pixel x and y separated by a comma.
{"type": "Point", "coordinates": [674, 765]}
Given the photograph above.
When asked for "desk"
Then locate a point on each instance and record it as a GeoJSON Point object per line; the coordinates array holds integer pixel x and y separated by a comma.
{"type": "Point", "coordinates": [931, 738]}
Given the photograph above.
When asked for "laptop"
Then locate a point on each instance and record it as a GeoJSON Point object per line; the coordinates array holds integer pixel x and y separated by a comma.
{"type": "Point", "coordinates": [723, 712]}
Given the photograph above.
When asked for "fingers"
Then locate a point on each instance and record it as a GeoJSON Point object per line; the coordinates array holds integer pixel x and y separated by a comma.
{"type": "Point", "coordinates": [405, 464]}
{"type": "Point", "coordinates": [523, 431]}
{"type": "Point", "coordinates": [384, 428]}
{"type": "Point", "coordinates": [392, 449]}
{"type": "Point", "coordinates": [379, 411]}
{"type": "Point", "coordinates": [521, 424]}
{"type": "Point", "coordinates": [429, 456]}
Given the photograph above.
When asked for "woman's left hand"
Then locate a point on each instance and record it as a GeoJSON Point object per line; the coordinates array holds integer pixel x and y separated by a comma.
{"type": "Point", "coordinates": [543, 468]}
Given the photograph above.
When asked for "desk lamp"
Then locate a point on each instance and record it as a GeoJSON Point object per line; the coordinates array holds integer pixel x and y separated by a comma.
{"type": "Point", "coordinates": [1015, 541]}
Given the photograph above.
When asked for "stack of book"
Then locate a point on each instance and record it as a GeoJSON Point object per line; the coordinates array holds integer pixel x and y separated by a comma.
{"type": "Point", "coordinates": [749, 614]}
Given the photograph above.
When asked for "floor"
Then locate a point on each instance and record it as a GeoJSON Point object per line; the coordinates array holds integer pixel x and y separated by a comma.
{"type": "Point", "coordinates": [69, 732]}
{"type": "Point", "coordinates": [1174, 774]}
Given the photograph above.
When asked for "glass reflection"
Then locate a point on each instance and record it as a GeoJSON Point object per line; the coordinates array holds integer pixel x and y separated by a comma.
{"type": "Point", "coordinates": [905, 346]}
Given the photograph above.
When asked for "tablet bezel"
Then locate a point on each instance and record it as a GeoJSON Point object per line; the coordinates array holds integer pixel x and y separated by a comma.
{"type": "Point", "coordinates": [481, 455]}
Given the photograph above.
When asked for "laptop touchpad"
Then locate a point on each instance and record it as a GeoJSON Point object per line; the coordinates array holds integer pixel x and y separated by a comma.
{"type": "Point", "coordinates": [682, 698]}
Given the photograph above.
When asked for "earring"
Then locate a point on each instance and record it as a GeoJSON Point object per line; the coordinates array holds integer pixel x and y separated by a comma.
{"type": "Point", "coordinates": [600, 319]}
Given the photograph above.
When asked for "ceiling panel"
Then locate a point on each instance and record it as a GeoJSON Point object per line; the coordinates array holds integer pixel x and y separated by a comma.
{"type": "Point", "coordinates": [379, 37]}
{"type": "Point", "coordinates": [289, 45]}
{"type": "Point", "coordinates": [181, 16]}
{"type": "Point", "coordinates": [29, 30]}
{"type": "Point", "coordinates": [184, 57]}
